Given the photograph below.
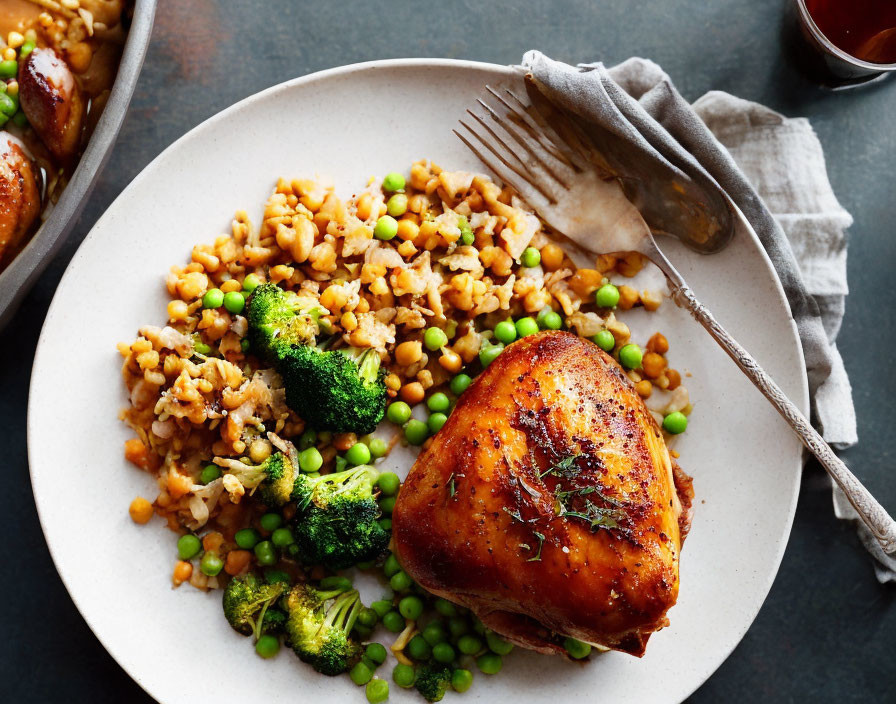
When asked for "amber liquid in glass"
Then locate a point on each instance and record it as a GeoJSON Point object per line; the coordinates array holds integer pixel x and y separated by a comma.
{"type": "Point", "coordinates": [865, 29]}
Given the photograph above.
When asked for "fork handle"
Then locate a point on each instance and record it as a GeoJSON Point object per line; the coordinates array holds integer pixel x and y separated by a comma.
{"type": "Point", "coordinates": [873, 515]}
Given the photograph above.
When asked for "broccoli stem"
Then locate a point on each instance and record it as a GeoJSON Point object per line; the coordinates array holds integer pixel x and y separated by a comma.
{"type": "Point", "coordinates": [369, 365]}
{"type": "Point", "coordinates": [344, 611]}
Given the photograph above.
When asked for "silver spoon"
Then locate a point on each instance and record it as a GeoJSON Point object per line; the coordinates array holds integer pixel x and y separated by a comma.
{"type": "Point", "coordinates": [543, 155]}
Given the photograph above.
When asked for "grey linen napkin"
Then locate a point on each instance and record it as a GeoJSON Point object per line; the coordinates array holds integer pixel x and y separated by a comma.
{"type": "Point", "coordinates": [773, 168]}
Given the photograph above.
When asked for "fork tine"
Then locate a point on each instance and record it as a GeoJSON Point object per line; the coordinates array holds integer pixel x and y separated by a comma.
{"type": "Point", "coordinates": [534, 158]}
{"type": "Point", "coordinates": [520, 114]}
{"type": "Point", "coordinates": [498, 165]}
{"type": "Point", "coordinates": [509, 161]}
{"type": "Point", "coordinates": [552, 139]}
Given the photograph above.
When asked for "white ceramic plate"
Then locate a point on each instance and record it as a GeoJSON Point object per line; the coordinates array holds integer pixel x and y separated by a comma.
{"type": "Point", "coordinates": [350, 123]}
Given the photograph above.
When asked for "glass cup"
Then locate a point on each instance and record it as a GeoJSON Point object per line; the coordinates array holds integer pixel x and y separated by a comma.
{"type": "Point", "coordinates": [830, 64]}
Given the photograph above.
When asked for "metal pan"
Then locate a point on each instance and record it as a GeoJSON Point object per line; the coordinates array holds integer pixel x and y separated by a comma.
{"type": "Point", "coordinates": [20, 275]}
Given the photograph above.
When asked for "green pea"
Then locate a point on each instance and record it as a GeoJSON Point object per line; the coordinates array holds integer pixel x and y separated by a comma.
{"type": "Point", "coordinates": [378, 447]}
{"type": "Point", "coordinates": [389, 483]}
{"type": "Point", "coordinates": [469, 645]}
{"type": "Point", "coordinates": [376, 653]}
{"type": "Point", "coordinates": [386, 228]}
{"type": "Point", "coordinates": [211, 564]}
{"type": "Point", "coordinates": [267, 646]}
{"type": "Point", "coordinates": [403, 675]}
{"type": "Point", "coordinates": [445, 608]}
{"type": "Point", "coordinates": [497, 644]}
{"type": "Point", "coordinates": [462, 680]}
{"type": "Point", "coordinates": [360, 674]}
{"type": "Point", "coordinates": [393, 181]}
{"type": "Point", "coordinates": [398, 412]}
{"type": "Point", "coordinates": [418, 648]}
{"type": "Point", "coordinates": [505, 331]}
{"type": "Point", "coordinates": [438, 402]}
{"type": "Point", "coordinates": [265, 554]}
{"type": "Point", "coordinates": [436, 421]}
{"type": "Point", "coordinates": [8, 105]}
{"type": "Point", "coordinates": [460, 383]}
{"type": "Point", "coordinates": [341, 464]}
{"type": "Point", "coordinates": [675, 423]}
{"type": "Point", "coordinates": [387, 504]}
{"type": "Point", "coordinates": [391, 566]}
{"type": "Point", "coordinates": [434, 633]}
{"type": "Point", "coordinates": [489, 353]}
{"type": "Point", "coordinates": [307, 439]}
{"type": "Point", "coordinates": [19, 119]}
{"type": "Point", "coordinates": [411, 607]}
{"type": "Point", "coordinates": [526, 326]}
{"type": "Point", "coordinates": [549, 320]}
{"type": "Point", "coordinates": [630, 355]}
{"type": "Point", "coordinates": [401, 581]}
{"type": "Point", "coordinates": [209, 473]}
{"type": "Point", "coordinates": [435, 339]}
{"type": "Point", "coordinates": [381, 607]}
{"type": "Point", "coordinates": [310, 460]}
{"type": "Point", "coordinates": [201, 348]}
{"type": "Point", "coordinates": [576, 648]}
{"type": "Point", "coordinates": [8, 69]}
{"type": "Point", "coordinates": [394, 621]}
{"type": "Point", "coordinates": [363, 632]}
{"type": "Point", "coordinates": [479, 627]}
{"type": "Point", "coordinates": [607, 296]}
{"type": "Point", "coordinates": [367, 617]}
{"type": "Point", "coordinates": [397, 205]}
{"type": "Point", "coordinates": [530, 257]}
{"type": "Point", "coordinates": [282, 537]}
{"type": "Point", "coordinates": [377, 691]}
{"type": "Point", "coordinates": [489, 664]}
{"type": "Point", "coordinates": [443, 652]}
{"type": "Point", "coordinates": [234, 302]}
{"type": "Point", "coordinates": [416, 432]}
{"type": "Point", "coordinates": [605, 340]}
{"type": "Point", "coordinates": [245, 345]}
{"type": "Point", "coordinates": [247, 538]}
{"type": "Point", "coordinates": [250, 283]}
{"type": "Point", "coordinates": [467, 236]}
{"type": "Point", "coordinates": [188, 546]}
{"type": "Point", "coordinates": [385, 523]}
{"type": "Point", "coordinates": [358, 454]}
{"type": "Point", "coordinates": [26, 48]}
{"type": "Point", "coordinates": [213, 298]}
{"type": "Point", "coordinates": [458, 626]}
{"type": "Point", "coordinates": [270, 521]}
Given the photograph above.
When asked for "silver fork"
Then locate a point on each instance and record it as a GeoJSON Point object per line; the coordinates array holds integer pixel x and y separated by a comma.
{"type": "Point", "coordinates": [554, 168]}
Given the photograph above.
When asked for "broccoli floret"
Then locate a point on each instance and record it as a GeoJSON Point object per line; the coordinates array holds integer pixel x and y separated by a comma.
{"type": "Point", "coordinates": [330, 390]}
{"type": "Point", "coordinates": [246, 601]}
{"type": "Point", "coordinates": [278, 319]}
{"type": "Point", "coordinates": [336, 525]}
{"type": "Point", "coordinates": [334, 390]}
{"type": "Point", "coordinates": [275, 477]}
{"type": "Point", "coordinates": [273, 621]}
{"type": "Point", "coordinates": [433, 681]}
{"type": "Point", "coordinates": [318, 625]}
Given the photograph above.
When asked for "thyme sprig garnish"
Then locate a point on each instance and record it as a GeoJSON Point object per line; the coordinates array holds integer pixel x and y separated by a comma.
{"type": "Point", "coordinates": [537, 556]}
{"type": "Point", "coordinates": [565, 468]}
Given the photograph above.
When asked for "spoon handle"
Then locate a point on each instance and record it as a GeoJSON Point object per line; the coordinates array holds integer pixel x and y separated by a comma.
{"type": "Point", "coordinates": [873, 515]}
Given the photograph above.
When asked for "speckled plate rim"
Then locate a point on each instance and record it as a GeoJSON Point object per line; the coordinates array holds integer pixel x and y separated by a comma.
{"type": "Point", "coordinates": [799, 393]}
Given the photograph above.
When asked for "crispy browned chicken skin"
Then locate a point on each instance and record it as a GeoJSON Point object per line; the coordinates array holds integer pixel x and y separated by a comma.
{"type": "Point", "coordinates": [548, 503]}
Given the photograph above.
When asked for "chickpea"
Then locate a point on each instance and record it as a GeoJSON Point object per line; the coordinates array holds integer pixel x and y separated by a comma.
{"type": "Point", "coordinates": [412, 392]}
{"type": "Point", "coordinates": [551, 257]}
{"type": "Point", "coordinates": [674, 378]}
{"type": "Point", "coordinates": [407, 353]}
{"type": "Point", "coordinates": [658, 343]}
{"type": "Point", "coordinates": [140, 510]}
{"type": "Point", "coordinates": [653, 364]}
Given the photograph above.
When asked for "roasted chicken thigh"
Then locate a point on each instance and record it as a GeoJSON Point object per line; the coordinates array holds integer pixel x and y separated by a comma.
{"type": "Point", "coordinates": [548, 503]}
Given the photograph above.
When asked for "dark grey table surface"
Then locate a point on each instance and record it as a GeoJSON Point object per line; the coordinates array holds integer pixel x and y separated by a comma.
{"type": "Point", "coordinates": [828, 629]}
